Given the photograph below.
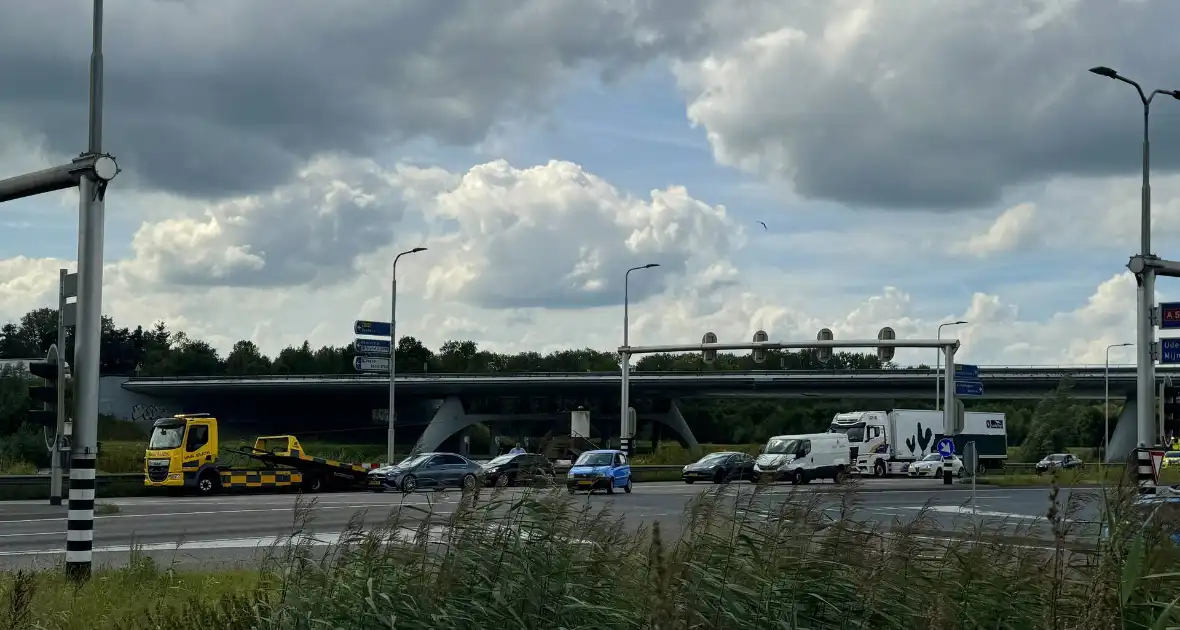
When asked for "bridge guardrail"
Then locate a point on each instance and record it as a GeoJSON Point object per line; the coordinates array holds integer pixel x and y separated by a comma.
{"type": "Point", "coordinates": [989, 372]}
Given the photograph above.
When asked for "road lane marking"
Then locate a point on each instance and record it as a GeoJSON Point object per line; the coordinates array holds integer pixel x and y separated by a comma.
{"type": "Point", "coordinates": [239, 511]}
{"type": "Point", "coordinates": [33, 534]}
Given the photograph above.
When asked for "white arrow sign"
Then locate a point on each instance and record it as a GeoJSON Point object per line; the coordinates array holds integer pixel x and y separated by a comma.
{"type": "Point", "coordinates": [370, 364]}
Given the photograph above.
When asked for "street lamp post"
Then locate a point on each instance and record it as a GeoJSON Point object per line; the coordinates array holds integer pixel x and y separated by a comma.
{"type": "Point", "coordinates": [393, 352]}
{"type": "Point", "coordinates": [1143, 267]}
{"type": "Point", "coordinates": [1106, 400]}
{"type": "Point", "coordinates": [625, 360]}
{"type": "Point", "coordinates": [938, 362]}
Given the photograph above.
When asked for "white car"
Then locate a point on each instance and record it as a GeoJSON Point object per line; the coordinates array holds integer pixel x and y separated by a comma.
{"type": "Point", "coordinates": [931, 466]}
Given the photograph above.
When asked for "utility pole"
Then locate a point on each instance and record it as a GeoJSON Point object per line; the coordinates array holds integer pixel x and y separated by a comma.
{"type": "Point", "coordinates": [90, 173]}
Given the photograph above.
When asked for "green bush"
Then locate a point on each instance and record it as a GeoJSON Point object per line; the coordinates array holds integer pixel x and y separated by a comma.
{"type": "Point", "coordinates": [27, 445]}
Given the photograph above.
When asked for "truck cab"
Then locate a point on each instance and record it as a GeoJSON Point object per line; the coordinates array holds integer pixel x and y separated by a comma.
{"type": "Point", "coordinates": [182, 453]}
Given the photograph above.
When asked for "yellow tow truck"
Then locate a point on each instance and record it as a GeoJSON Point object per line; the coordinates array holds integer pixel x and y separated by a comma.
{"type": "Point", "coordinates": [183, 453]}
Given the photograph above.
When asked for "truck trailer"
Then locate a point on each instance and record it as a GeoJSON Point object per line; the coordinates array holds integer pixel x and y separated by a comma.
{"type": "Point", "coordinates": [184, 454]}
{"type": "Point", "coordinates": [888, 442]}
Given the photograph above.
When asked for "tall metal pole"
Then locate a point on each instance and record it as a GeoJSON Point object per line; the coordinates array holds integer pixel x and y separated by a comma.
{"type": "Point", "coordinates": [1106, 400]}
{"type": "Point", "coordinates": [625, 358]}
{"type": "Point", "coordinates": [938, 361]}
{"type": "Point", "coordinates": [389, 441]}
{"type": "Point", "coordinates": [1145, 383]}
{"type": "Point", "coordinates": [91, 219]}
{"type": "Point", "coordinates": [1144, 268]}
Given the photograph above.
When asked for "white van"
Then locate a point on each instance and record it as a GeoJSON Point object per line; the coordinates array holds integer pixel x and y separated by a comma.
{"type": "Point", "coordinates": [801, 458]}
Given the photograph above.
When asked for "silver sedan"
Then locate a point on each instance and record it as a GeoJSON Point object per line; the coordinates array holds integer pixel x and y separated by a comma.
{"type": "Point", "coordinates": [428, 471]}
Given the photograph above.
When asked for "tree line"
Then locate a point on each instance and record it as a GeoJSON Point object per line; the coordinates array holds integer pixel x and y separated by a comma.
{"type": "Point", "coordinates": [159, 351]}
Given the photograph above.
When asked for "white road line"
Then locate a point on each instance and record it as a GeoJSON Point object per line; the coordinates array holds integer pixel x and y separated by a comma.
{"type": "Point", "coordinates": [210, 512]}
{"type": "Point", "coordinates": [435, 534]}
{"type": "Point", "coordinates": [33, 534]}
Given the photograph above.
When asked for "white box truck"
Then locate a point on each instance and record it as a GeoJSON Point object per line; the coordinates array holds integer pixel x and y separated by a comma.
{"type": "Point", "coordinates": [887, 442]}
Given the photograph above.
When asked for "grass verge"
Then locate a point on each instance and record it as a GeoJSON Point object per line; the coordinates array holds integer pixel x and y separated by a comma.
{"type": "Point", "coordinates": [545, 561]}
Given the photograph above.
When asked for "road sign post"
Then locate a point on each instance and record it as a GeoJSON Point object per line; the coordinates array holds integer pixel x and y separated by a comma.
{"type": "Point", "coordinates": [946, 448]}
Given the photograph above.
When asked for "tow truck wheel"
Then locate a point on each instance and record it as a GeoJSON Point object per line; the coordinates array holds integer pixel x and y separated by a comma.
{"type": "Point", "coordinates": [468, 483]}
{"type": "Point", "coordinates": [313, 483]}
{"type": "Point", "coordinates": [879, 469]}
{"type": "Point", "coordinates": [206, 485]}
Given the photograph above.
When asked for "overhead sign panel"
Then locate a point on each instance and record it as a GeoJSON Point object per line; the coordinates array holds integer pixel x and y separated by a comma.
{"type": "Point", "coordinates": [969, 388]}
{"type": "Point", "coordinates": [371, 329]}
{"type": "Point", "coordinates": [1170, 315]}
{"type": "Point", "coordinates": [1170, 350]}
{"type": "Point", "coordinates": [966, 370]}
{"type": "Point", "coordinates": [378, 347]}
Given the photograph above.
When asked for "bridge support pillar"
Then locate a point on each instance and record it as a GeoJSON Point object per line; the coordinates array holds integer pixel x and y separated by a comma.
{"type": "Point", "coordinates": [449, 419]}
{"type": "Point", "coordinates": [675, 421]}
{"type": "Point", "coordinates": [1124, 437]}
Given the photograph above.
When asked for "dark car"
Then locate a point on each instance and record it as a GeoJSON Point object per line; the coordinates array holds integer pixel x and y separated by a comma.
{"type": "Point", "coordinates": [1058, 461]}
{"type": "Point", "coordinates": [518, 469]}
{"type": "Point", "coordinates": [428, 471]}
{"type": "Point", "coordinates": [720, 468]}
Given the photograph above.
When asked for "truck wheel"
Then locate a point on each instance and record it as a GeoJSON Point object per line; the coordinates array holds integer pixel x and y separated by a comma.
{"type": "Point", "coordinates": [313, 483]}
{"type": "Point", "coordinates": [839, 476]}
{"type": "Point", "coordinates": [879, 469]}
{"type": "Point", "coordinates": [207, 485]}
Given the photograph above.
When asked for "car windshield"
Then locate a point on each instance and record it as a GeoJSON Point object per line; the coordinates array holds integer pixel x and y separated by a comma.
{"type": "Point", "coordinates": [595, 459]}
{"type": "Point", "coordinates": [503, 459]}
{"type": "Point", "coordinates": [778, 446]}
{"type": "Point", "coordinates": [413, 460]}
{"type": "Point", "coordinates": [933, 457]}
{"type": "Point", "coordinates": [713, 457]}
{"type": "Point", "coordinates": [167, 436]}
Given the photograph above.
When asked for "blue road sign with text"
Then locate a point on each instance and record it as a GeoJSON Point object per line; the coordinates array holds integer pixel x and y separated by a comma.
{"type": "Point", "coordinates": [966, 371]}
{"type": "Point", "coordinates": [378, 347]}
{"type": "Point", "coordinates": [1170, 350]}
{"type": "Point", "coordinates": [946, 447]}
{"type": "Point", "coordinates": [371, 329]}
{"type": "Point", "coordinates": [971, 387]}
{"type": "Point", "coordinates": [1170, 315]}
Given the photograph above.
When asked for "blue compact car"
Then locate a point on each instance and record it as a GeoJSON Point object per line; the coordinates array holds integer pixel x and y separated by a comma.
{"type": "Point", "coordinates": [600, 470]}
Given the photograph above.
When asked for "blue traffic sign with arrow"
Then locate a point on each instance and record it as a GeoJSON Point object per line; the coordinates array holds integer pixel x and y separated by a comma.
{"type": "Point", "coordinates": [372, 329]}
{"type": "Point", "coordinates": [946, 447]}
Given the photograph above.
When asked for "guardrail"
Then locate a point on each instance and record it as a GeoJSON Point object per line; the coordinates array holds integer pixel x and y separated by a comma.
{"type": "Point", "coordinates": [988, 372]}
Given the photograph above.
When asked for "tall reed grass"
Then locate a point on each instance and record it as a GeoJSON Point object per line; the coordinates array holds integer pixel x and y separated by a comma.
{"type": "Point", "coordinates": [749, 559]}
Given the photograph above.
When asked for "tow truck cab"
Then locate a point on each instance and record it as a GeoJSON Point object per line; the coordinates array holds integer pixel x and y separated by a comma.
{"type": "Point", "coordinates": [182, 452]}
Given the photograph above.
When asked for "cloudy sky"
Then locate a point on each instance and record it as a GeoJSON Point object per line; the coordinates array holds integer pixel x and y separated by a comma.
{"type": "Point", "coordinates": [914, 161]}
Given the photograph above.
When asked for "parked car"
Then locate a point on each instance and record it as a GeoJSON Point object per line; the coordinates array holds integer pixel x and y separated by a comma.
{"type": "Point", "coordinates": [1171, 459]}
{"type": "Point", "coordinates": [600, 470]}
{"type": "Point", "coordinates": [1058, 461]}
{"type": "Point", "coordinates": [428, 471]}
{"type": "Point", "coordinates": [931, 466]}
{"type": "Point", "coordinates": [720, 468]}
{"type": "Point", "coordinates": [518, 468]}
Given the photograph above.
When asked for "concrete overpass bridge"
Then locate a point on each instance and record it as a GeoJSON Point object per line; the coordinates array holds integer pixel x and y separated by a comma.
{"type": "Point", "coordinates": [444, 404]}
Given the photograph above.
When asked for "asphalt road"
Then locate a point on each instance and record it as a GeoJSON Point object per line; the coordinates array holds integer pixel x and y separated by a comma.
{"type": "Point", "coordinates": [236, 529]}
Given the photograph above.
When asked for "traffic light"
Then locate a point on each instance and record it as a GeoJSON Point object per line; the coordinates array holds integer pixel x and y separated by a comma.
{"type": "Point", "coordinates": [50, 371]}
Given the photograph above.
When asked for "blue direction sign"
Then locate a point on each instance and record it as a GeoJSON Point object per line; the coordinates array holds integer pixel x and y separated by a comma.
{"type": "Point", "coordinates": [377, 347]}
{"type": "Point", "coordinates": [966, 371]}
{"type": "Point", "coordinates": [946, 447]}
{"type": "Point", "coordinates": [1170, 350]}
{"type": "Point", "coordinates": [371, 329]}
{"type": "Point", "coordinates": [1170, 315]}
{"type": "Point", "coordinates": [969, 388]}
